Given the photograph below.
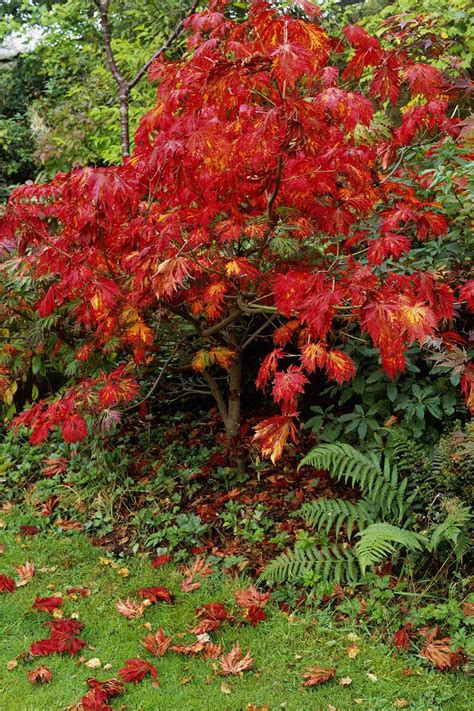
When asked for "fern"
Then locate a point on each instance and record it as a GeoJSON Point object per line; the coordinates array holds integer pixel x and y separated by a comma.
{"type": "Point", "coordinates": [377, 541]}
{"type": "Point", "coordinates": [326, 514]}
{"type": "Point", "coordinates": [331, 562]}
{"type": "Point", "coordinates": [454, 530]}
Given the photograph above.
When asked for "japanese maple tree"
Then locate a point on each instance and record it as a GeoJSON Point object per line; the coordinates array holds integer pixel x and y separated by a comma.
{"type": "Point", "coordinates": [266, 196]}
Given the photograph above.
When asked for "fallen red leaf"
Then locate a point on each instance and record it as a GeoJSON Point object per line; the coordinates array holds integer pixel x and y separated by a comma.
{"type": "Point", "coordinates": [251, 598]}
{"type": "Point", "coordinates": [157, 644]}
{"type": "Point", "coordinates": [401, 638]}
{"type": "Point", "coordinates": [255, 615]}
{"type": "Point", "coordinates": [82, 591]}
{"type": "Point", "coordinates": [111, 687]}
{"type": "Point", "coordinates": [28, 530]}
{"type": "Point", "coordinates": [47, 604]}
{"type": "Point", "coordinates": [95, 700]}
{"type": "Point", "coordinates": [213, 611]}
{"type": "Point", "coordinates": [43, 675]}
{"type": "Point", "coordinates": [161, 560]}
{"type": "Point", "coordinates": [188, 585]}
{"type": "Point", "coordinates": [317, 675]}
{"type": "Point", "coordinates": [134, 670]}
{"type": "Point", "coordinates": [6, 584]}
{"type": "Point", "coordinates": [438, 651]}
{"type": "Point", "coordinates": [205, 626]}
{"type": "Point", "coordinates": [234, 662]}
{"type": "Point", "coordinates": [156, 593]}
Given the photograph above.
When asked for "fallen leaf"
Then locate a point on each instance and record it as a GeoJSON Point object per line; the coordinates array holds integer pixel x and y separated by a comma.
{"type": "Point", "coordinates": [317, 675]}
{"type": "Point", "coordinates": [189, 585]}
{"type": "Point", "coordinates": [28, 530]}
{"type": "Point", "coordinates": [156, 593]}
{"type": "Point", "coordinates": [93, 663]}
{"type": "Point", "coordinates": [189, 650]}
{"type": "Point", "coordinates": [213, 611]}
{"type": "Point", "coordinates": [11, 664]}
{"type": "Point", "coordinates": [468, 609]}
{"type": "Point", "coordinates": [234, 662]}
{"type": "Point", "coordinates": [186, 680]}
{"type": "Point", "coordinates": [372, 677]}
{"type": "Point", "coordinates": [161, 560]}
{"type": "Point", "coordinates": [438, 651]}
{"type": "Point", "coordinates": [82, 591]}
{"type": "Point", "coordinates": [225, 688]}
{"type": "Point", "coordinates": [123, 572]}
{"type": "Point", "coordinates": [110, 687]}
{"type": "Point", "coordinates": [251, 598]}
{"type": "Point", "coordinates": [134, 670]}
{"type": "Point", "coordinates": [47, 604]}
{"type": "Point", "coordinates": [130, 610]}
{"type": "Point", "coordinates": [352, 637]}
{"type": "Point", "coordinates": [67, 525]}
{"type": "Point", "coordinates": [353, 651]}
{"type": "Point", "coordinates": [42, 674]}
{"type": "Point", "coordinates": [400, 703]}
{"type": "Point", "coordinates": [2, 549]}
{"type": "Point", "coordinates": [345, 681]}
{"type": "Point", "coordinates": [25, 572]}
{"type": "Point", "coordinates": [212, 651]}
{"type": "Point", "coordinates": [6, 584]}
{"type": "Point", "coordinates": [157, 644]}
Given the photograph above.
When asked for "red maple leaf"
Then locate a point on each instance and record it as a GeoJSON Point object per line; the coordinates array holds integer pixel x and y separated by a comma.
{"type": "Point", "coordinates": [317, 675]}
{"type": "Point", "coordinates": [157, 644]}
{"type": "Point", "coordinates": [48, 604]}
{"type": "Point", "coordinates": [42, 674]}
{"type": "Point", "coordinates": [161, 560]}
{"type": "Point", "coordinates": [234, 662]}
{"type": "Point", "coordinates": [134, 670]}
{"type": "Point", "coordinates": [156, 593]}
{"type": "Point", "coordinates": [6, 584]}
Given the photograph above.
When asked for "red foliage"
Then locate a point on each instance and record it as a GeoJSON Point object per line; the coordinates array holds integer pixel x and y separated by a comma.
{"type": "Point", "coordinates": [134, 670]}
{"type": "Point", "coordinates": [47, 604]}
{"type": "Point", "coordinates": [253, 141]}
{"type": "Point", "coordinates": [6, 584]}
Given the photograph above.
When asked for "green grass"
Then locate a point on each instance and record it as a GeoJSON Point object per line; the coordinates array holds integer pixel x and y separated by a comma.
{"type": "Point", "coordinates": [282, 646]}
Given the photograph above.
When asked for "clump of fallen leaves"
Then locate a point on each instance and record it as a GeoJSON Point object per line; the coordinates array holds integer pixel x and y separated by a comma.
{"type": "Point", "coordinates": [157, 644]}
{"type": "Point", "coordinates": [134, 670]}
{"type": "Point", "coordinates": [252, 602]}
{"type": "Point", "coordinates": [63, 637]}
{"type": "Point", "coordinates": [41, 675]}
{"type": "Point", "coordinates": [317, 675]}
{"type": "Point", "coordinates": [234, 662]}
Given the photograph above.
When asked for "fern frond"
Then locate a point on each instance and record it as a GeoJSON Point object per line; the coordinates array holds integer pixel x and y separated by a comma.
{"type": "Point", "coordinates": [331, 563]}
{"type": "Point", "coordinates": [454, 530]}
{"type": "Point", "coordinates": [325, 514]}
{"type": "Point", "coordinates": [379, 540]}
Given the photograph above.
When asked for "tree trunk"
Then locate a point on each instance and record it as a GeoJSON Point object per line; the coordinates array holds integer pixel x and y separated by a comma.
{"type": "Point", "coordinates": [232, 425]}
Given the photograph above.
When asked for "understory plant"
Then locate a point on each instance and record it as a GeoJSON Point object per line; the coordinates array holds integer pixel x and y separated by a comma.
{"type": "Point", "coordinates": [382, 523]}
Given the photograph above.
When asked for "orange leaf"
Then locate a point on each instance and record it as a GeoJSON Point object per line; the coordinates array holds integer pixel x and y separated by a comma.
{"type": "Point", "coordinates": [317, 675]}
{"type": "Point", "coordinates": [234, 662]}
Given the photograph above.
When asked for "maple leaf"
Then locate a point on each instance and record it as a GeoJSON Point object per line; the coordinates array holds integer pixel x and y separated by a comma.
{"type": "Point", "coordinates": [129, 609]}
{"type": "Point", "coordinates": [212, 651]}
{"type": "Point", "coordinates": [189, 584]}
{"type": "Point", "coordinates": [424, 79]}
{"type": "Point", "coordinates": [157, 644]}
{"type": "Point", "coordinates": [251, 598]}
{"type": "Point", "coordinates": [26, 530]}
{"type": "Point", "coordinates": [6, 584]}
{"type": "Point", "coordinates": [95, 700]}
{"type": "Point", "coordinates": [74, 429]}
{"type": "Point", "coordinates": [42, 674]}
{"type": "Point", "coordinates": [234, 662]}
{"type": "Point", "coordinates": [48, 604]}
{"type": "Point", "coordinates": [313, 355]}
{"type": "Point", "coordinates": [255, 614]}
{"type": "Point", "coordinates": [401, 638]}
{"type": "Point", "coordinates": [214, 611]}
{"type": "Point", "coordinates": [466, 293]}
{"type": "Point", "coordinates": [25, 571]}
{"type": "Point", "coordinates": [287, 385]}
{"type": "Point", "coordinates": [206, 626]}
{"type": "Point", "coordinates": [339, 366]}
{"type": "Point", "coordinates": [111, 687]}
{"type": "Point", "coordinates": [268, 367]}
{"type": "Point", "coordinates": [156, 593]}
{"type": "Point", "coordinates": [317, 675]}
{"type": "Point", "coordinates": [161, 560]}
{"type": "Point", "coordinates": [438, 651]}
{"type": "Point", "coordinates": [134, 670]}
{"type": "Point", "coordinates": [189, 649]}
{"type": "Point", "coordinates": [272, 435]}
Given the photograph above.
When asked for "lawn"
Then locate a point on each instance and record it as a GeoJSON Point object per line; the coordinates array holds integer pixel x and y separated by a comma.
{"type": "Point", "coordinates": [282, 645]}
